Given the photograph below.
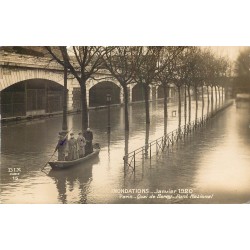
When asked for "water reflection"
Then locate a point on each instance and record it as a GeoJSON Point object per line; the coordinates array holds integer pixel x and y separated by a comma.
{"type": "Point", "coordinates": [215, 160]}
{"type": "Point", "coordinates": [78, 179]}
{"type": "Point", "coordinates": [29, 145]}
{"type": "Point", "coordinates": [108, 139]}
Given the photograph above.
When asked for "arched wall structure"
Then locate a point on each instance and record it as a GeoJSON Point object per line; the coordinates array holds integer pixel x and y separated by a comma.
{"type": "Point", "coordinates": [91, 87]}
{"type": "Point", "coordinates": [160, 92]}
{"type": "Point", "coordinates": [107, 79]}
{"type": "Point", "coordinates": [137, 93]}
{"type": "Point", "coordinates": [31, 97]}
{"type": "Point", "coordinates": [15, 69]}
{"type": "Point", "coordinates": [12, 76]}
{"type": "Point", "coordinates": [98, 94]}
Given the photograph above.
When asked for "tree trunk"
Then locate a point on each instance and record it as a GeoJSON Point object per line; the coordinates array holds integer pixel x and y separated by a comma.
{"type": "Point", "coordinates": [196, 103]}
{"type": "Point", "coordinates": [222, 95]}
{"type": "Point", "coordinates": [147, 134]}
{"type": "Point", "coordinates": [208, 100]}
{"type": "Point", "coordinates": [185, 103]}
{"type": "Point", "coordinates": [212, 98]}
{"type": "Point", "coordinates": [179, 105]}
{"type": "Point", "coordinates": [147, 138]}
{"type": "Point", "coordinates": [125, 91]}
{"type": "Point", "coordinates": [65, 94]}
{"type": "Point", "coordinates": [165, 125]}
{"type": "Point", "coordinates": [189, 103]}
{"type": "Point", "coordinates": [215, 89]}
{"type": "Point", "coordinates": [126, 142]}
{"type": "Point", "coordinates": [85, 117]}
{"type": "Point", "coordinates": [165, 89]}
{"type": "Point", "coordinates": [126, 152]}
{"type": "Point", "coordinates": [202, 95]}
{"type": "Point", "coordinates": [146, 88]}
{"type": "Point", "coordinates": [219, 96]}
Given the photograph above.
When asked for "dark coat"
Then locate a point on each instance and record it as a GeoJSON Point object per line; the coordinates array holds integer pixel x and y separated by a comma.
{"type": "Point", "coordinates": [88, 135]}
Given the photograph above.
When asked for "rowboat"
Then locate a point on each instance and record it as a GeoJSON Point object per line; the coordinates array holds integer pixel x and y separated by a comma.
{"type": "Point", "coordinates": [67, 164]}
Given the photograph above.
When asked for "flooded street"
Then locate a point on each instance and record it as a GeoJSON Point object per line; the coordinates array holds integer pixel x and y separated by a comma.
{"type": "Point", "coordinates": [213, 164]}
{"type": "Point", "coordinates": [215, 160]}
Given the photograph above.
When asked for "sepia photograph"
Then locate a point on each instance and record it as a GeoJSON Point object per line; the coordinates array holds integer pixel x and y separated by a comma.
{"type": "Point", "coordinates": [125, 124]}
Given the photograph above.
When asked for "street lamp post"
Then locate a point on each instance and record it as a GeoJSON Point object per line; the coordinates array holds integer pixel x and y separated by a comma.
{"type": "Point", "coordinates": [108, 98]}
{"type": "Point", "coordinates": [65, 95]}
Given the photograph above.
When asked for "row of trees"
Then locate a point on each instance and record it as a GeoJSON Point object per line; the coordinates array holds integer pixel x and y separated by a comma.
{"type": "Point", "coordinates": [185, 67]}
{"type": "Point", "coordinates": [241, 82]}
{"type": "Point", "coordinates": [199, 69]}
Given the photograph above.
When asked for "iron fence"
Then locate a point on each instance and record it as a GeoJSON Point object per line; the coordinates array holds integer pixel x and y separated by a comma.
{"type": "Point", "coordinates": [166, 142]}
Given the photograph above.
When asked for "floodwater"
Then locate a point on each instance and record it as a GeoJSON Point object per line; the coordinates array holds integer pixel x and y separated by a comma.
{"type": "Point", "coordinates": [214, 161]}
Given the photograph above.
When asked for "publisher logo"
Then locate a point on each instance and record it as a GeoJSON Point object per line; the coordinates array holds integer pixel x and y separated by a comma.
{"type": "Point", "coordinates": [14, 173]}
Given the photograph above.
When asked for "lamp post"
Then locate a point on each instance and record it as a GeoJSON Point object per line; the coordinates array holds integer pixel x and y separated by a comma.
{"type": "Point", "coordinates": [65, 95]}
{"type": "Point", "coordinates": [108, 99]}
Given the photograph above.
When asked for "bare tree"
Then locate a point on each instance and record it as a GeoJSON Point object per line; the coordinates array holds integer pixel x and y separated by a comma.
{"type": "Point", "coordinates": [119, 61]}
{"type": "Point", "coordinates": [242, 72]}
{"type": "Point", "coordinates": [182, 74]}
{"type": "Point", "coordinates": [224, 70]}
{"type": "Point", "coordinates": [206, 71]}
{"type": "Point", "coordinates": [212, 81]}
{"type": "Point", "coordinates": [146, 59]}
{"type": "Point", "coordinates": [83, 62]}
{"type": "Point", "coordinates": [209, 72]}
{"type": "Point", "coordinates": [165, 73]}
{"type": "Point", "coordinates": [197, 74]}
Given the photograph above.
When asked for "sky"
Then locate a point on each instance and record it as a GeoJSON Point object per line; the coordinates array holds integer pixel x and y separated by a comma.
{"type": "Point", "coordinates": [231, 51]}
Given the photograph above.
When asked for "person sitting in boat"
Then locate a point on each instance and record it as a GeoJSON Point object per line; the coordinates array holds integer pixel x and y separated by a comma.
{"type": "Point", "coordinates": [61, 146]}
{"type": "Point", "coordinates": [81, 144]}
{"type": "Point", "coordinates": [72, 148]}
{"type": "Point", "coordinates": [89, 138]}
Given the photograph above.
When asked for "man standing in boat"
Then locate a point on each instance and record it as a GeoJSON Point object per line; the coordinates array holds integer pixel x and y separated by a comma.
{"type": "Point", "coordinates": [61, 146]}
{"type": "Point", "coordinates": [72, 148]}
{"type": "Point", "coordinates": [89, 138]}
{"type": "Point", "coordinates": [81, 144]}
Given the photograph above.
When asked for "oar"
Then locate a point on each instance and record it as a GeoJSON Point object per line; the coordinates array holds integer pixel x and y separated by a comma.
{"type": "Point", "coordinates": [54, 153]}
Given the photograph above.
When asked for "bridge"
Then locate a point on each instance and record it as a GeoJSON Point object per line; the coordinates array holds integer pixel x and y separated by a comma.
{"type": "Point", "coordinates": [32, 85]}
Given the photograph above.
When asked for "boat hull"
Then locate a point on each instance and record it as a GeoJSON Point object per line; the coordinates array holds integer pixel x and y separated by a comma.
{"type": "Point", "coordinates": [67, 164]}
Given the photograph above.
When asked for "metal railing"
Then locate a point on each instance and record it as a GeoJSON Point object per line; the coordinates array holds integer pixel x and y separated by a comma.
{"type": "Point", "coordinates": [134, 158]}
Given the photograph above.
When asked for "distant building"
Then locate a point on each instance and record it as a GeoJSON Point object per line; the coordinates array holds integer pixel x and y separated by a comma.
{"type": "Point", "coordinates": [243, 100]}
